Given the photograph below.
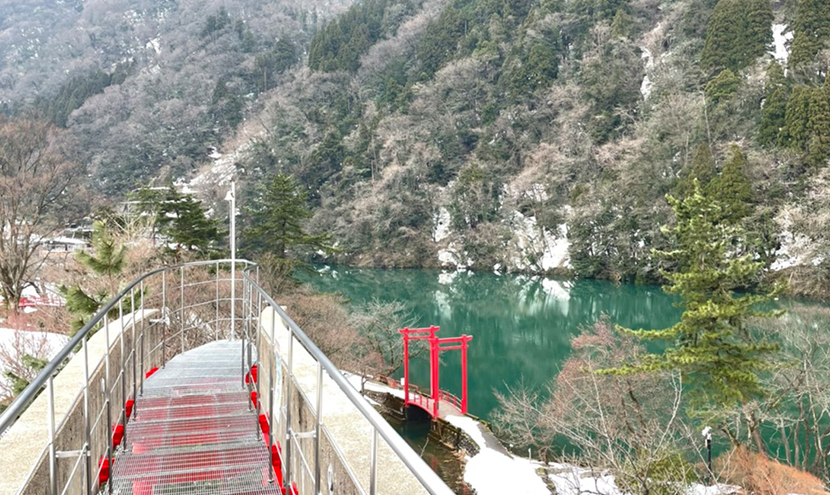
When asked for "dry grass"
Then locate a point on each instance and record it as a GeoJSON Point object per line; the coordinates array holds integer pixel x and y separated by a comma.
{"type": "Point", "coordinates": [760, 475]}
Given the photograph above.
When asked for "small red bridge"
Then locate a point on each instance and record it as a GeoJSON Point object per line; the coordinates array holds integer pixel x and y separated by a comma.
{"type": "Point", "coordinates": [447, 402]}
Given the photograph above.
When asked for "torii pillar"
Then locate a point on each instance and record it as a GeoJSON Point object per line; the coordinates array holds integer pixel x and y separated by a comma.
{"type": "Point", "coordinates": [417, 334]}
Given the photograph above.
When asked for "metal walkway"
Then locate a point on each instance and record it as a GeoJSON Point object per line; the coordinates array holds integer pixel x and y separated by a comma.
{"type": "Point", "coordinates": [193, 431]}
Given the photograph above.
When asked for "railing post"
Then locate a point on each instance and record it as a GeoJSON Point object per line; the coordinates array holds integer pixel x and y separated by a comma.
{"type": "Point", "coordinates": [106, 391]}
{"type": "Point", "coordinates": [87, 436]}
{"type": "Point", "coordinates": [164, 318]}
{"type": "Point", "coordinates": [289, 381]}
{"type": "Point", "coordinates": [123, 364]}
{"type": "Point", "coordinates": [216, 320]}
{"type": "Point", "coordinates": [272, 370]}
{"type": "Point", "coordinates": [181, 303]}
{"type": "Point", "coordinates": [257, 325]}
{"type": "Point", "coordinates": [133, 395]}
{"type": "Point", "coordinates": [373, 473]}
{"type": "Point", "coordinates": [50, 415]}
{"type": "Point", "coordinates": [233, 294]}
{"type": "Point", "coordinates": [143, 342]}
{"type": "Point", "coordinates": [317, 429]}
{"type": "Point", "coordinates": [242, 335]}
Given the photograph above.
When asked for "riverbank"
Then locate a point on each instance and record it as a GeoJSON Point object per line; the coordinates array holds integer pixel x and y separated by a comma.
{"type": "Point", "coordinates": [489, 468]}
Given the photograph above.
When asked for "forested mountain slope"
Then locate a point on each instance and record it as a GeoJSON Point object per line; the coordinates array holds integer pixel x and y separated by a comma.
{"type": "Point", "coordinates": [532, 135]}
{"type": "Point", "coordinates": [148, 86]}
{"type": "Point", "coordinates": [503, 133]}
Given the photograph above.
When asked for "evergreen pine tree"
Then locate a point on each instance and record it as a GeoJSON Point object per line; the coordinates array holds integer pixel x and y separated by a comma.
{"type": "Point", "coordinates": [702, 170]}
{"type": "Point", "coordinates": [732, 189]}
{"type": "Point", "coordinates": [795, 133]}
{"type": "Point", "coordinates": [621, 25]}
{"type": "Point", "coordinates": [818, 127]}
{"type": "Point", "coordinates": [108, 260]}
{"type": "Point", "coordinates": [711, 345]}
{"type": "Point", "coordinates": [774, 111]}
{"type": "Point", "coordinates": [277, 214]}
{"type": "Point", "coordinates": [184, 220]}
{"type": "Point", "coordinates": [738, 33]}
{"type": "Point", "coordinates": [812, 31]}
{"type": "Point", "coordinates": [722, 87]}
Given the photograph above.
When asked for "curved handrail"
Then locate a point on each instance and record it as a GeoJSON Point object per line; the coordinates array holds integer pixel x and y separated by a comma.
{"type": "Point", "coordinates": [22, 401]}
{"type": "Point", "coordinates": [428, 478]}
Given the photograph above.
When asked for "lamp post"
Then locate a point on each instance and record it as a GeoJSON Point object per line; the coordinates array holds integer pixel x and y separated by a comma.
{"type": "Point", "coordinates": [707, 434]}
{"type": "Point", "coordinates": [231, 197]}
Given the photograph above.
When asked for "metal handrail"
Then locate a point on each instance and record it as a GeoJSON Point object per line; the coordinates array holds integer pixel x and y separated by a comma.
{"type": "Point", "coordinates": [422, 472]}
{"type": "Point", "coordinates": [28, 395]}
{"type": "Point", "coordinates": [175, 274]}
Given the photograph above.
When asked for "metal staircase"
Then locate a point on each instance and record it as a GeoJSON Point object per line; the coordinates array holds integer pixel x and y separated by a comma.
{"type": "Point", "coordinates": [194, 431]}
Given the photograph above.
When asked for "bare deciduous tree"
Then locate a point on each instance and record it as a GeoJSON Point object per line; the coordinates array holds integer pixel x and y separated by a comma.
{"type": "Point", "coordinates": [35, 180]}
{"type": "Point", "coordinates": [629, 426]}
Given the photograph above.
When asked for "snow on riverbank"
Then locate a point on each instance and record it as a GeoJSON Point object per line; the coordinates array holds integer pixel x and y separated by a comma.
{"type": "Point", "coordinates": [492, 472]}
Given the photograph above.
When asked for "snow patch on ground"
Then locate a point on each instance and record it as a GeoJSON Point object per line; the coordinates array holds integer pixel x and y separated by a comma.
{"type": "Point", "coordinates": [780, 41]}
{"type": "Point", "coordinates": [452, 256]}
{"type": "Point", "coordinates": [647, 85]}
{"type": "Point", "coordinates": [788, 255]}
{"type": "Point", "coordinates": [491, 472]}
{"type": "Point", "coordinates": [574, 480]}
{"type": "Point", "coordinates": [154, 45]}
{"type": "Point", "coordinates": [535, 248]}
{"type": "Point", "coordinates": [16, 343]}
{"type": "Point", "coordinates": [441, 225]}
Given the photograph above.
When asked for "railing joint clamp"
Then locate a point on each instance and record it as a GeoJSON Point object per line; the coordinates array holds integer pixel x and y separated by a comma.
{"type": "Point", "coordinates": [60, 454]}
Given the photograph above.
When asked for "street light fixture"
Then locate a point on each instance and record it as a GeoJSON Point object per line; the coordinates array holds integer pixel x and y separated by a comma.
{"type": "Point", "coordinates": [231, 197]}
{"type": "Point", "coordinates": [707, 434]}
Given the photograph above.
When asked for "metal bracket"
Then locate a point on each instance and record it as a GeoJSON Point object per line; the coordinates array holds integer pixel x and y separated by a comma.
{"type": "Point", "coordinates": [303, 434]}
{"type": "Point", "coordinates": [71, 453]}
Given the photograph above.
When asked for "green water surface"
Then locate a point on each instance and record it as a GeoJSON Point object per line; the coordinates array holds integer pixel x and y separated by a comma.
{"type": "Point", "coordinates": [521, 325]}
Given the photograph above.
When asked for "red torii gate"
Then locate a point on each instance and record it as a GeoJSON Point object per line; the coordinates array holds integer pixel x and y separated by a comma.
{"type": "Point", "coordinates": [436, 345]}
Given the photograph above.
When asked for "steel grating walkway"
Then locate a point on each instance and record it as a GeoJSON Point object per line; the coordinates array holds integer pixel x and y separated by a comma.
{"type": "Point", "coordinates": [193, 432]}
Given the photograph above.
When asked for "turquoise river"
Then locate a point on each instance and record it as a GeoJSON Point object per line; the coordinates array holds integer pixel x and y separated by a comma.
{"type": "Point", "coordinates": [521, 325]}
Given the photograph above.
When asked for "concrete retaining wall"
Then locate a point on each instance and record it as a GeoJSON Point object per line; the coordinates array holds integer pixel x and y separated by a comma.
{"type": "Point", "coordinates": [23, 462]}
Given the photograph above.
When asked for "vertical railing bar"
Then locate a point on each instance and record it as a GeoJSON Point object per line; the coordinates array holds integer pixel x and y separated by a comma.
{"type": "Point", "coordinates": [373, 474]}
{"type": "Point", "coordinates": [272, 367]}
{"type": "Point", "coordinates": [242, 334]}
{"type": "Point", "coordinates": [319, 407]}
{"type": "Point", "coordinates": [134, 355]}
{"type": "Point", "coordinates": [105, 383]}
{"type": "Point", "coordinates": [143, 344]}
{"type": "Point", "coordinates": [164, 318]}
{"type": "Point", "coordinates": [50, 415]}
{"type": "Point", "coordinates": [87, 433]}
{"type": "Point", "coordinates": [288, 449]}
{"type": "Point", "coordinates": [271, 372]}
{"type": "Point", "coordinates": [181, 304]}
{"type": "Point", "coordinates": [257, 317]}
{"type": "Point", "coordinates": [109, 423]}
{"type": "Point", "coordinates": [123, 362]}
{"type": "Point", "coordinates": [216, 320]}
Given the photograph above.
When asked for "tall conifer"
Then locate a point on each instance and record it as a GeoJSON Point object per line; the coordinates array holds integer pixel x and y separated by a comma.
{"type": "Point", "coordinates": [732, 189]}
{"type": "Point", "coordinates": [711, 345]}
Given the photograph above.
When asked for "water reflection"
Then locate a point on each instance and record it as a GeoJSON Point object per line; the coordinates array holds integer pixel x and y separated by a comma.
{"type": "Point", "coordinates": [521, 325]}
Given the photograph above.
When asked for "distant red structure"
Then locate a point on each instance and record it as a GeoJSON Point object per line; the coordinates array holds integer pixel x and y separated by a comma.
{"type": "Point", "coordinates": [430, 403]}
